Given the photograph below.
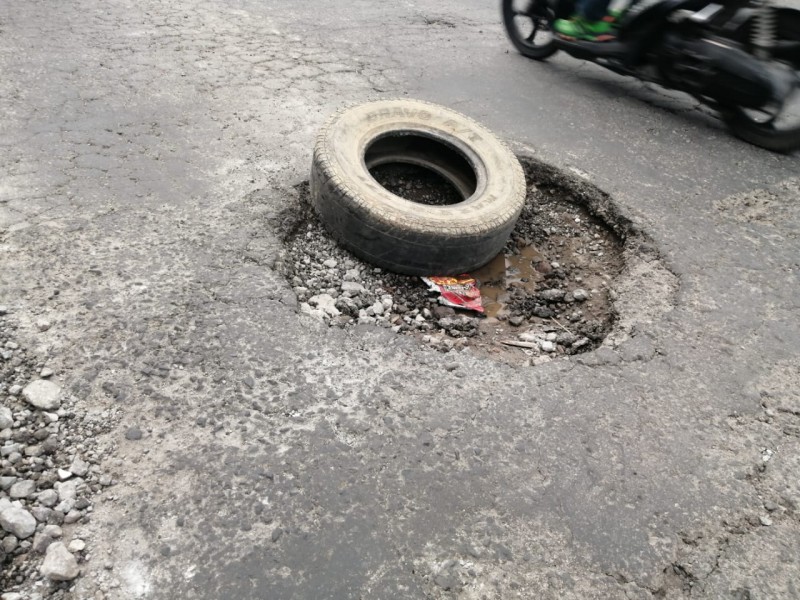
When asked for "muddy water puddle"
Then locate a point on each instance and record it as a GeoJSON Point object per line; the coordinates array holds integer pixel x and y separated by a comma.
{"type": "Point", "coordinates": [495, 278]}
{"type": "Point", "coordinates": [555, 296]}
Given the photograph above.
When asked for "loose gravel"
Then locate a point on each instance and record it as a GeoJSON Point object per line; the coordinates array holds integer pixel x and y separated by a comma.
{"type": "Point", "coordinates": [49, 473]}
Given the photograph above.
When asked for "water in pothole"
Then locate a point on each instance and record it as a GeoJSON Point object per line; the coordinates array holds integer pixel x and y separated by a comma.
{"type": "Point", "coordinates": [548, 294]}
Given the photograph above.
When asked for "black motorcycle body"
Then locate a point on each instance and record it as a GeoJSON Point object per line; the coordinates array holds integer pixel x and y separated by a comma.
{"type": "Point", "coordinates": [741, 58]}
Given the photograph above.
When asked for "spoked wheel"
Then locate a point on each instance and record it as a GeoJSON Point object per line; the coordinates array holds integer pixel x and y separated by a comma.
{"type": "Point", "coordinates": [529, 24]}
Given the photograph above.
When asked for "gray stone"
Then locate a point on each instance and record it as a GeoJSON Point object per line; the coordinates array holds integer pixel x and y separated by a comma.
{"type": "Point", "coordinates": [48, 498]}
{"type": "Point", "coordinates": [54, 531]}
{"type": "Point", "coordinates": [18, 521]}
{"type": "Point", "coordinates": [76, 545]}
{"type": "Point", "coordinates": [325, 303]}
{"type": "Point", "coordinates": [33, 450]}
{"type": "Point", "coordinates": [46, 372]}
{"type": "Point", "coordinates": [41, 513]}
{"type": "Point", "coordinates": [73, 516]}
{"type": "Point", "coordinates": [580, 295]}
{"type": "Point", "coordinates": [42, 394]}
{"type": "Point", "coordinates": [41, 542]}
{"type": "Point", "coordinates": [566, 338]}
{"type": "Point", "coordinates": [330, 263]}
{"type": "Point", "coordinates": [316, 313]}
{"type": "Point", "coordinates": [54, 517]}
{"type": "Point", "coordinates": [79, 467]}
{"type": "Point", "coordinates": [10, 543]}
{"type": "Point", "coordinates": [352, 275]}
{"type": "Point", "coordinates": [67, 491]}
{"type": "Point", "coordinates": [552, 295]}
{"type": "Point", "coordinates": [22, 489]}
{"type": "Point", "coordinates": [43, 324]}
{"type": "Point", "coordinates": [6, 482]}
{"type": "Point", "coordinates": [580, 343]}
{"type": "Point", "coordinates": [352, 287]}
{"type": "Point", "coordinates": [59, 564]}
{"type": "Point", "coordinates": [6, 418]}
{"type": "Point", "coordinates": [133, 434]}
{"type": "Point", "coordinates": [443, 312]}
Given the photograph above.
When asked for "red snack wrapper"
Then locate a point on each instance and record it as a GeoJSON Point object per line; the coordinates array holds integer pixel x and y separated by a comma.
{"type": "Point", "coordinates": [460, 291]}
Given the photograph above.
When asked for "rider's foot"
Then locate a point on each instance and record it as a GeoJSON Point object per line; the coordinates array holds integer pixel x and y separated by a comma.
{"type": "Point", "coordinates": [579, 28]}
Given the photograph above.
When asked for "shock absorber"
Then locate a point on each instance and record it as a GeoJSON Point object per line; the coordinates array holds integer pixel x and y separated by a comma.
{"type": "Point", "coordinates": [765, 25]}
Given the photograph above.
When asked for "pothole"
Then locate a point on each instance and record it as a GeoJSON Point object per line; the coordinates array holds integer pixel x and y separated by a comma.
{"type": "Point", "coordinates": [550, 293]}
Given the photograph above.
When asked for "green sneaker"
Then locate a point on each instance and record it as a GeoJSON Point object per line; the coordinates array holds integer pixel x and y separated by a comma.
{"type": "Point", "coordinates": [578, 28]}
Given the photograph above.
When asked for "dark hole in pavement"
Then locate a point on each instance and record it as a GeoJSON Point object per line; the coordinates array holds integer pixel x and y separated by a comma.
{"type": "Point", "coordinates": [416, 183]}
{"type": "Point", "coordinates": [548, 294]}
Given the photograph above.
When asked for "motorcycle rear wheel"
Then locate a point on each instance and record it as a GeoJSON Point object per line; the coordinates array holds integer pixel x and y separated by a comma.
{"type": "Point", "coordinates": [529, 25]}
{"type": "Point", "coordinates": [762, 134]}
{"type": "Point", "coordinates": [772, 132]}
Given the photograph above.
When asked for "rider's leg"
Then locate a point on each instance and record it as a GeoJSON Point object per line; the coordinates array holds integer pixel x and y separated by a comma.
{"type": "Point", "coordinates": [592, 10]}
{"type": "Point", "coordinates": [587, 24]}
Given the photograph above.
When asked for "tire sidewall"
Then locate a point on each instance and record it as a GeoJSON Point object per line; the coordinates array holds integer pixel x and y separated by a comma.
{"type": "Point", "coordinates": [399, 234]}
{"type": "Point", "coordinates": [499, 195]}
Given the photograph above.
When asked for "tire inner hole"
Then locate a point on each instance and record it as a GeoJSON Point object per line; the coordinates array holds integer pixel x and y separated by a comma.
{"type": "Point", "coordinates": [421, 169]}
{"type": "Point", "coordinates": [417, 184]}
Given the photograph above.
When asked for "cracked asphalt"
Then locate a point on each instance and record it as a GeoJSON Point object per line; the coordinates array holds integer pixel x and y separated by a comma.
{"type": "Point", "coordinates": [146, 150]}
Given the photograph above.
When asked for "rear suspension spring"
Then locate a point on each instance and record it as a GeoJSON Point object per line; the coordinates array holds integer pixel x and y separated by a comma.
{"type": "Point", "coordinates": [765, 26]}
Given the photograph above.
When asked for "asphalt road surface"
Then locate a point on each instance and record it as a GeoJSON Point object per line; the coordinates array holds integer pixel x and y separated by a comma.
{"type": "Point", "coordinates": [145, 150]}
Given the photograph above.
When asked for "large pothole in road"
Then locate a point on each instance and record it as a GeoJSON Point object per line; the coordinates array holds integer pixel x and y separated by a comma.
{"type": "Point", "coordinates": [553, 291]}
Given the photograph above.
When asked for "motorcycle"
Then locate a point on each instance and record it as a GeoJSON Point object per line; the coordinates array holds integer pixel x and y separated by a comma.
{"type": "Point", "coordinates": [741, 58]}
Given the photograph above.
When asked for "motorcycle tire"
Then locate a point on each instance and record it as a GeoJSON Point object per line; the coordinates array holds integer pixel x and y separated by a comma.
{"type": "Point", "coordinates": [766, 135]}
{"type": "Point", "coordinates": [540, 16]}
{"type": "Point", "coordinates": [763, 135]}
{"type": "Point", "coordinates": [405, 236]}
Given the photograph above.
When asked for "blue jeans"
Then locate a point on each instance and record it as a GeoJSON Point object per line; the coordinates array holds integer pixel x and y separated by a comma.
{"type": "Point", "coordinates": [592, 10]}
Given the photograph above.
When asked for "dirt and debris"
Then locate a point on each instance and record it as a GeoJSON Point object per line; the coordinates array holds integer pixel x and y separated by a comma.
{"type": "Point", "coordinates": [549, 294]}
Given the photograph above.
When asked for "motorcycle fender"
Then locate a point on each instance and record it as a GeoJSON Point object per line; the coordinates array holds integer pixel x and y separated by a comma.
{"type": "Point", "coordinates": [736, 75]}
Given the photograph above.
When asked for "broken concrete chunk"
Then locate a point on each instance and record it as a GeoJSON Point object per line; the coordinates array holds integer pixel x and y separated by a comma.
{"type": "Point", "coordinates": [59, 564]}
{"type": "Point", "coordinates": [18, 521]}
{"type": "Point", "coordinates": [42, 394]}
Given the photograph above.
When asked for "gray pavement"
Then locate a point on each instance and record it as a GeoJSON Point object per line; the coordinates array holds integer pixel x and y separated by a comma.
{"type": "Point", "coordinates": [146, 149]}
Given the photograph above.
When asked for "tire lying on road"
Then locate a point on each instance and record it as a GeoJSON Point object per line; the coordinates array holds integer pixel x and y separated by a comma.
{"type": "Point", "coordinates": [398, 234]}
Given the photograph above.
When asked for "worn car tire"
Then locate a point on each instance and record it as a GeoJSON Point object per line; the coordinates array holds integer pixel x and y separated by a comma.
{"type": "Point", "coordinates": [398, 234]}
